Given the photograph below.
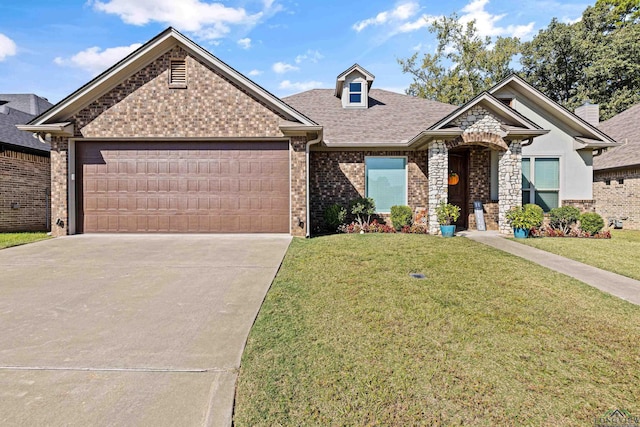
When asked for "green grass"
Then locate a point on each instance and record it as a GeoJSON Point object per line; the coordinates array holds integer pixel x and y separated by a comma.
{"type": "Point", "coordinates": [14, 239]}
{"type": "Point", "coordinates": [345, 337]}
{"type": "Point", "coordinates": [620, 254]}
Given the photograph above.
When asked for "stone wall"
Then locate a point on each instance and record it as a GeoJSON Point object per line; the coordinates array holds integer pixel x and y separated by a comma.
{"type": "Point", "coordinates": [509, 183]}
{"type": "Point", "coordinates": [438, 158]}
{"type": "Point", "coordinates": [339, 177]}
{"type": "Point", "coordinates": [617, 195]}
{"type": "Point", "coordinates": [479, 120]}
{"type": "Point", "coordinates": [25, 183]}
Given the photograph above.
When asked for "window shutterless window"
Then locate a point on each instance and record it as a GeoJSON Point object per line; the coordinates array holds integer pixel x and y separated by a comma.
{"type": "Point", "coordinates": [541, 182]}
{"type": "Point", "coordinates": [355, 93]}
{"type": "Point", "coordinates": [386, 181]}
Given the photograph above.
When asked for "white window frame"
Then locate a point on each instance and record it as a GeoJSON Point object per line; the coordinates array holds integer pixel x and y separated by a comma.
{"type": "Point", "coordinates": [406, 178]}
{"type": "Point", "coordinates": [533, 189]}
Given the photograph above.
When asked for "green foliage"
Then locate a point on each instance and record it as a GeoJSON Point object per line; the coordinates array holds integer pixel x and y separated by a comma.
{"type": "Point", "coordinates": [536, 214]}
{"type": "Point", "coordinates": [401, 216]}
{"type": "Point", "coordinates": [523, 217]}
{"type": "Point", "coordinates": [563, 218]}
{"type": "Point", "coordinates": [463, 65]}
{"type": "Point", "coordinates": [447, 213]}
{"type": "Point", "coordinates": [591, 222]}
{"type": "Point", "coordinates": [334, 216]}
{"type": "Point", "coordinates": [596, 59]}
{"type": "Point", "coordinates": [361, 208]}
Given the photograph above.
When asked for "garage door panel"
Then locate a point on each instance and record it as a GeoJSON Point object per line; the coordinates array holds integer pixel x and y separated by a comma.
{"type": "Point", "coordinates": [203, 187]}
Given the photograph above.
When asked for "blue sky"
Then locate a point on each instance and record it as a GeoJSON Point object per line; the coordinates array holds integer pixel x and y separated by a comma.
{"type": "Point", "coordinates": [53, 47]}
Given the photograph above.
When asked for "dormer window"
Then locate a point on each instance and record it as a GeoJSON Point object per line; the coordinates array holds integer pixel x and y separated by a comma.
{"type": "Point", "coordinates": [355, 93]}
{"type": "Point", "coordinates": [352, 87]}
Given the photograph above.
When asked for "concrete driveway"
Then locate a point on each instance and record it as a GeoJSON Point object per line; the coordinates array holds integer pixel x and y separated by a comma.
{"type": "Point", "coordinates": [129, 330]}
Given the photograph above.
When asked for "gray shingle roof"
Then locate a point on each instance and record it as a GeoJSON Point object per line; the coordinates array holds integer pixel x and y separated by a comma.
{"type": "Point", "coordinates": [624, 128]}
{"type": "Point", "coordinates": [26, 102]}
{"type": "Point", "coordinates": [9, 133]}
{"type": "Point", "coordinates": [390, 118]}
{"type": "Point", "coordinates": [19, 109]}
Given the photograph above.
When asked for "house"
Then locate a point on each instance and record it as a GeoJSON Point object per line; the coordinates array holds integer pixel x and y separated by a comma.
{"type": "Point", "coordinates": [172, 139]}
{"type": "Point", "coordinates": [616, 177]}
{"type": "Point", "coordinates": [24, 166]}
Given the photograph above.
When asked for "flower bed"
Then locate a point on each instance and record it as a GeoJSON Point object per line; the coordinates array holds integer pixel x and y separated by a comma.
{"type": "Point", "coordinates": [574, 232]}
{"type": "Point", "coordinates": [376, 227]}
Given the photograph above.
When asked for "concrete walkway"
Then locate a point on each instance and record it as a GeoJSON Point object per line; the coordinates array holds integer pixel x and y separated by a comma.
{"type": "Point", "coordinates": [129, 330]}
{"type": "Point", "coordinates": [612, 283]}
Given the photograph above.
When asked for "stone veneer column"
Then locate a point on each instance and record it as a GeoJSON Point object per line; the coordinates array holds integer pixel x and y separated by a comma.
{"type": "Point", "coordinates": [509, 183]}
{"type": "Point", "coordinates": [59, 189]}
{"type": "Point", "coordinates": [438, 163]}
{"type": "Point", "coordinates": [298, 186]}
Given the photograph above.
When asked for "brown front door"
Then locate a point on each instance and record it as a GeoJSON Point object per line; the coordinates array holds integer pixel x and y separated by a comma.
{"type": "Point", "coordinates": [459, 193]}
{"type": "Point", "coordinates": [183, 187]}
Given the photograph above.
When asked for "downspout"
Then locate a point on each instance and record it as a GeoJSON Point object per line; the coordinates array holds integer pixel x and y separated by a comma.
{"type": "Point", "coordinates": [309, 144]}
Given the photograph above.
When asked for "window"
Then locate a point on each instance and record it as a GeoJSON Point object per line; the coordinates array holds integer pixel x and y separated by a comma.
{"type": "Point", "coordinates": [607, 182]}
{"type": "Point", "coordinates": [386, 181]}
{"type": "Point", "coordinates": [355, 93]}
{"type": "Point", "coordinates": [541, 182]}
{"type": "Point", "coordinates": [621, 181]}
{"type": "Point", "coordinates": [178, 74]}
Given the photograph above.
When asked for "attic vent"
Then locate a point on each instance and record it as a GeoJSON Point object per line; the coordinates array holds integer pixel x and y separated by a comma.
{"type": "Point", "coordinates": [178, 74]}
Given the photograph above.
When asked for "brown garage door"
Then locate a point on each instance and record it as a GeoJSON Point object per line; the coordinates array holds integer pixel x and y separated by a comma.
{"type": "Point", "coordinates": [183, 187]}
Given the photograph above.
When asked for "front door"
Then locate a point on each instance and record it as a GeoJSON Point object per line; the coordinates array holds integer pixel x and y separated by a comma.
{"type": "Point", "coordinates": [459, 192]}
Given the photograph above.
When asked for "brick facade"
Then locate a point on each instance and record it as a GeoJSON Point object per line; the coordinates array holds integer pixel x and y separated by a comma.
{"type": "Point", "coordinates": [143, 105]}
{"type": "Point", "coordinates": [298, 186]}
{"type": "Point", "coordinates": [59, 185]}
{"type": "Point", "coordinates": [617, 195]}
{"type": "Point", "coordinates": [25, 183]}
{"type": "Point", "coordinates": [480, 187]}
{"type": "Point", "coordinates": [339, 177]}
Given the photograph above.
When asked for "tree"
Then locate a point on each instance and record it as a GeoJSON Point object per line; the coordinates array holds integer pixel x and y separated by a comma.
{"type": "Point", "coordinates": [596, 59]}
{"type": "Point", "coordinates": [463, 65]}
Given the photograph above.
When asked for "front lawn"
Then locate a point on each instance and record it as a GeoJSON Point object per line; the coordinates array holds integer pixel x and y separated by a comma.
{"type": "Point", "coordinates": [346, 337]}
{"type": "Point", "coordinates": [620, 254]}
{"type": "Point", "coordinates": [15, 239]}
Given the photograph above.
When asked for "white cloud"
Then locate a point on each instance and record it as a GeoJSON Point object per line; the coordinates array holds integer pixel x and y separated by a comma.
{"type": "Point", "coordinates": [206, 20]}
{"type": "Point", "coordinates": [570, 21]}
{"type": "Point", "coordinates": [96, 60]}
{"type": "Point", "coordinates": [7, 47]}
{"type": "Point", "coordinates": [417, 47]}
{"type": "Point", "coordinates": [283, 67]}
{"type": "Point", "coordinates": [299, 86]}
{"type": "Point", "coordinates": [311, 55]}
{"type": "Point", "coordinates": [402, 12]}
{"type": "Point", "coordinates": [254, 73]}
{"type": "Point", "coordinates": [245, 43]}
{"type": "Point", "coordinates": [424, 21]}
{"type": "Point", "coordinates": [487, 24]}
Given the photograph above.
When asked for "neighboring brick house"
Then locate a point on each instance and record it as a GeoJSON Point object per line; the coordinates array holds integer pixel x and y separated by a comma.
{"type": "Point", "coordinates": [25, 174]}
{"type": "Point", "coordinates": [171, 139]}
{"type": "Point", "coordinates": [616, 180]}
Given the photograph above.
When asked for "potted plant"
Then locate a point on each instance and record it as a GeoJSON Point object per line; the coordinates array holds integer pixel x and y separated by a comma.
{"type": "Point", "coordinates": [447, 215]}
{"type": "Point", "coordinates": [523, 219]}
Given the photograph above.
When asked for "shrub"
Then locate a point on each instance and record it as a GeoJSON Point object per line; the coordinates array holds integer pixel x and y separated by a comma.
{"type": "Point", "coordinates": [591, 223]}
{"type": "Point", "coordinates": [535, 213]}
{"type": "Point", "coordinates": [361, 208]}
{"type": "Point", "coordinates": [524, 217]}
{"type": "Point", "coordinates": [447, 213]}
{"type": "Point", "coordinates": [334, 216]}
{"type": "Point", "coordinates": [564, 218]}
{"type": "Point", "coordinates": [401, 216]}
